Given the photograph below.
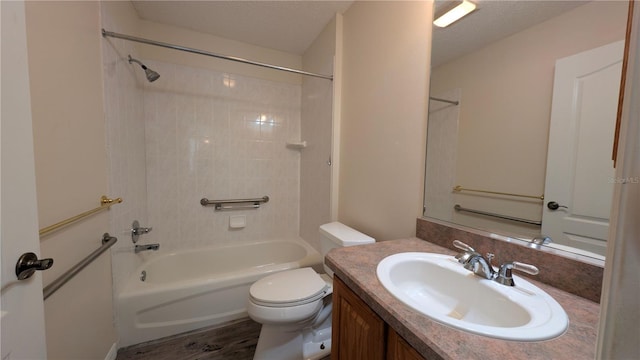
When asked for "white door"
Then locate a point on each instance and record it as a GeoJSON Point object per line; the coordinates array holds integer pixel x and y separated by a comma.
{"type": "Point", "coordinates": [580, 173]}
{"type": "Point", "coordinates": [22, 322]}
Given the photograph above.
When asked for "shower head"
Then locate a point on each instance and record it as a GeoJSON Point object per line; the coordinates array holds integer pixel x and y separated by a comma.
{"type": "Point", "coordinates": [151, 75]}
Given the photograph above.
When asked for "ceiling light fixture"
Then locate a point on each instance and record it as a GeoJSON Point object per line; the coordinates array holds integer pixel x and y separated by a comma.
{"type": "Point", "coordinates": [454, 14]}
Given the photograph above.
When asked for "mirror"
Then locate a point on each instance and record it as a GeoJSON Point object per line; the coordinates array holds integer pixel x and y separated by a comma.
{"type": "Point", "coordinates": [497, 132]}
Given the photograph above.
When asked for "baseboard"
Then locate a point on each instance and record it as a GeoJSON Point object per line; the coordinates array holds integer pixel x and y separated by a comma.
{"type": "Point", "coordinates": [113, 353]}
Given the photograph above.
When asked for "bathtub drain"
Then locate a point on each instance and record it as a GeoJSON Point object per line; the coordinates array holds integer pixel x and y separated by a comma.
{"type": "Point", "coordinates": [143, 275]}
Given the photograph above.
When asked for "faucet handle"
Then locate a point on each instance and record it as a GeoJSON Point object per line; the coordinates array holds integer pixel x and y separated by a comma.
{"type": "Point", "coordinates": [467, 252]}
{"type": "Point", "coordinates": [462, 246]}
{"type": "Point", "coordinates": [143, 230]}
{"type": "Point", "coordinates": [527, 268]}
{"type": "Point", "coordinates": [504, 276]}
{"type": "Point", "coordinates": [136, 231]}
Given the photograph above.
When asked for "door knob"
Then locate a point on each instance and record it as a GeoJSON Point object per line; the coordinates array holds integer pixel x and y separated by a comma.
{"type": "Point", "coordinates": [552, 205]}
{"type": "Point", "coordinates": [28, 263]}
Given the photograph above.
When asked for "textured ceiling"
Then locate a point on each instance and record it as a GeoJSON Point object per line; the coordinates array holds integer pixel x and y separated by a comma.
{"type": "Point", "coordinates": [493, 20]}
{"type": "Point", "coordinates": [289, 26]}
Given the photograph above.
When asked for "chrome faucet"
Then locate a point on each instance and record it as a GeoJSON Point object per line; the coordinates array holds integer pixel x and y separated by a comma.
{"type": "Point", "coordinates": [474, 261]}
{"type": "Point", "coordinates": [481, 266]}
{"type": "Point", "coordinates": [136, 231]}
{"type": "Point", "coordinates": [153, 247]}
{"type": "Point", "coordinates": [539, 240]}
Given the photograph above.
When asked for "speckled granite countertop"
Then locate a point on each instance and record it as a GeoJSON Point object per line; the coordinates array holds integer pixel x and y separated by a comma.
{"type": "Point", "coordinates": [356, 266]}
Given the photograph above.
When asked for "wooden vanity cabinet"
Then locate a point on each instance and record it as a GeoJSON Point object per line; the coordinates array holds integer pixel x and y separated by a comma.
{"type": "Point", "coordinates": [399, 349]}
{"type": "Point", "coordinates": [358, 333]}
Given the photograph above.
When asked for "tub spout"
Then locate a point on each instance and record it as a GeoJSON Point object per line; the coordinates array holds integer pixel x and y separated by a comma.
{"type": "Point", "coordinates": [153, 247]}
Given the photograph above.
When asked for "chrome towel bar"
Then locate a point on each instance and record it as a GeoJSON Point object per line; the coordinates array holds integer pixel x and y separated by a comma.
{"type": "Point", "coordinates": [505, 217]}
{"type": "Point", "coordinates": [107, 242]}
{"type": "Point", "coordinates": [219, 204]}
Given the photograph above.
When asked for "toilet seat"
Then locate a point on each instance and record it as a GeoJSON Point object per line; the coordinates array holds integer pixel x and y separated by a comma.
{"type": "Point", "coordinates": [277, 291]}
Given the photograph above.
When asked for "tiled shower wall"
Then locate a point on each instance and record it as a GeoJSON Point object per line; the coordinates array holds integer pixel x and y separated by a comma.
{"type": "Point", "coordinates": [220, 136]}
{"type": "Point", "coordinates": [125, 131]}
{"type": "Point", "coordinates": [442, 137]}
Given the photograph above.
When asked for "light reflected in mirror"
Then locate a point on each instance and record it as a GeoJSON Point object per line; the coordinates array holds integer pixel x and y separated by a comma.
{"type": "Point", "coordinates": [531, 137]}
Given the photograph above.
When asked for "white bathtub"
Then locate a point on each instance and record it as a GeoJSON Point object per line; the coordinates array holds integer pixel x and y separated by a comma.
{"type": "Point", "coordinates": [188, 290]}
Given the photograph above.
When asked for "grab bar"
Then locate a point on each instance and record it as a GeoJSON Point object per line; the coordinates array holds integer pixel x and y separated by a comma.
{"type": "Point", "coordinates": [107, 242]}
{"type": "Point", "coordinates": [459, 188]}
{"type": "Point", "coordinates": [236, 207]}
{"type": "Point", "coordinates": [105, 203]}
{"type": "Point", "coordinates": [452, 102]}
{"type": "Point", "coordinates": [505, 217]}
{"type": "Point", "coordinates": [219, 204]}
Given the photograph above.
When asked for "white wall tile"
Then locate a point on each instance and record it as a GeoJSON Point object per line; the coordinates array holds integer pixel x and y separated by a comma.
{"type": "Point", "coordinates": [205, 139]}
{"type": "Point", "coordinates": [125, 130]}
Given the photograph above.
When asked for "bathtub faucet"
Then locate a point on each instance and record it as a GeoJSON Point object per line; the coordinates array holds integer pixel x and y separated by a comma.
{"type": "Point", "coordinates": [137, 230]}
{"type": "Point", "coordinates": [153, 247]}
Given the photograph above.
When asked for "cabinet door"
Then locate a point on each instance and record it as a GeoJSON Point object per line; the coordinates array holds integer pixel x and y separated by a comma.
{"type": "Point", "coordinates": [399, 349]}
{"type": "Point", "coordinates": [357, 333]}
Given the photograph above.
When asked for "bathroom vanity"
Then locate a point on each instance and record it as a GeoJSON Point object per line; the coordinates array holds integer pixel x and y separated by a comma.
{"type": "Point", "coordinates": [370, 323]}
{"type": "Point", "coordinates": [359, 333]}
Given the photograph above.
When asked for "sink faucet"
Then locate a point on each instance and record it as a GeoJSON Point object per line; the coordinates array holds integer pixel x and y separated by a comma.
{"type": "Point", "coordinates": [474, 261]}
{"type": "Point", "coordinates": [481, 266]}
{"type": "Point", "coordinates": [153, 247]}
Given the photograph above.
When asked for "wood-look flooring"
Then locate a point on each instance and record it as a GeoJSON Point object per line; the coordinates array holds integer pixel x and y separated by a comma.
{"type": "Point", "coordinates": [235, 340]}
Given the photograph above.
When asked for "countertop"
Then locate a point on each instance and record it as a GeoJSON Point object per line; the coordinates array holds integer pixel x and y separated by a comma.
{"type": "Point", "coordinates": [356, 266]}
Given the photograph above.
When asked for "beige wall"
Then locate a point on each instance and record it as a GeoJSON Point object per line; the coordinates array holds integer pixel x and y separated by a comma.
{"type": "Point", "coordinates": [506, 92]}
{"type": "Point", "coordinates": [384, 115]}
{"type": "Point", "coordinates": [66, 92]}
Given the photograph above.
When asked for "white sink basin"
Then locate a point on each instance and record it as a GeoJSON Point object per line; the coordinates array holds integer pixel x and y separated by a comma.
{"type": "Point", "coordinates": [439, 287]}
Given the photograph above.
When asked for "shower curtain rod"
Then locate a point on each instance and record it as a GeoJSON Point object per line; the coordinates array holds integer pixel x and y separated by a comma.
{"type": "Point", "coordinates": [106, 33]}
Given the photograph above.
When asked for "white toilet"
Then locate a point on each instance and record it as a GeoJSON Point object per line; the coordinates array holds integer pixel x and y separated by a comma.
{"type": "Point", "coordinates": [294, 306]}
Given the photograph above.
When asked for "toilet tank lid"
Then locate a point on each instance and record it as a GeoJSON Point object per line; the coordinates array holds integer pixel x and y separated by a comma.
{"type": "Point", "coordinates": [344, 235]}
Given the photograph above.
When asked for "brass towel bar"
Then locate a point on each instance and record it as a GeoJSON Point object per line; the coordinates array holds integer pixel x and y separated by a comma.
{"type": "Point", "coordinates": [459, 188]}
{"type": "Point", "coordinates": [105, 203]}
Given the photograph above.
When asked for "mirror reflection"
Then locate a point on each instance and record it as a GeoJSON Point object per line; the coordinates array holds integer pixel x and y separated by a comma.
{"type": "Point", "coordinates": [522, 117]}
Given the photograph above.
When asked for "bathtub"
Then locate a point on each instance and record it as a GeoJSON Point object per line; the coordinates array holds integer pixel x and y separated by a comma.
{"type": "Point", "coordinates": [191, 289]}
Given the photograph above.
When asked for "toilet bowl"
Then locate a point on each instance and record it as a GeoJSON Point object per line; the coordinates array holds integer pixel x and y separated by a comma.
{"type": "Point", "coordinates": [294, 306]}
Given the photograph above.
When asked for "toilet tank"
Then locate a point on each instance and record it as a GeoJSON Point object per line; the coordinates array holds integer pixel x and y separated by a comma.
{"type": "Point", "coordinates": [336, 234]}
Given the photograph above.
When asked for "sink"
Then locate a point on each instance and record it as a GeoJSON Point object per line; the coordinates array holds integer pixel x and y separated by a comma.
{"type": "Point", "coordinates": [439, 287]}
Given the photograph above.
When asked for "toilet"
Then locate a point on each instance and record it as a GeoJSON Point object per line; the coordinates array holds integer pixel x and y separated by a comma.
{"type": "Point", "coordinates": [294, 306]}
